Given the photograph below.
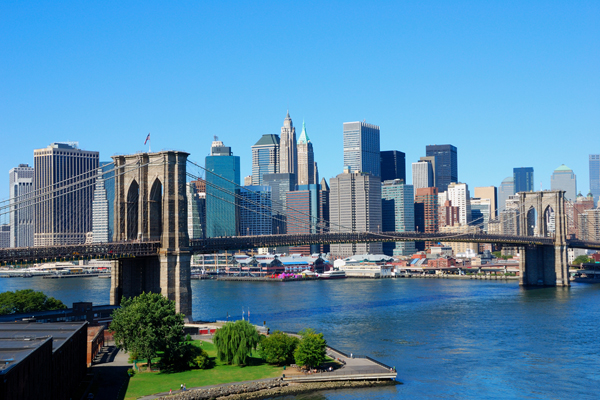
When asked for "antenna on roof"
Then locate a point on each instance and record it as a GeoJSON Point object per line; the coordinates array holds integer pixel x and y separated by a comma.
{"type": "Point", "coordinates": [216, 138]}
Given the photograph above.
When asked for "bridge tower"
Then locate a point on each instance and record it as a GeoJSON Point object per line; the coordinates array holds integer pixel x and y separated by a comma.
{"type": "Point", "coordinates": [150, 205]}
{"type": "Point", "coordinates": [543, 214]}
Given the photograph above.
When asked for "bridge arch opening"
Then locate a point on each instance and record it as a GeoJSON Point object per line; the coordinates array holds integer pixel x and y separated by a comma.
{"type": "Point", "coordinates": [155, 210]}
{"type": "Point", "coordinates": [532, 226]}
{"type": "Point", "coordinates": [131, 211]}
{"type": "Point", "coordinates": [549, 222]}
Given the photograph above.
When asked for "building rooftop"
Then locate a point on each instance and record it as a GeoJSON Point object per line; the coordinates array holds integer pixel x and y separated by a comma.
{"type": "Point", "coordinates": [268, 140]}
{"type": "Point", "coordinates": [563, 168]}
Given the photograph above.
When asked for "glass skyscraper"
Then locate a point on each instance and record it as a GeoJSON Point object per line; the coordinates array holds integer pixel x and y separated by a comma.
{"type": "Point", "coordinates": [255, 211]}
{"type": "Point", "coordinates": [222, 191]}
{"type": "Point", "coordinates": [398, 215]}
{"type": "Point", "coordinates": [361, 148]}
{"type": "Point", "coordinates": [564, 178]}
{"type": "Point", "coordinates": [523, 178]}
{"type": "Point", "coordinates": [393, 165]}
{"type": "Point", "coordinates": [595, 176]}
{"type": "Point", "coordinates": [265, 158]}
{"type": "Point", "coordinates": [446, 164]}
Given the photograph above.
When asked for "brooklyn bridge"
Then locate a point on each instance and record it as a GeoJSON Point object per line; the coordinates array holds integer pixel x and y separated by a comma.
{"type": "Point", "coordinates": [151, 250]}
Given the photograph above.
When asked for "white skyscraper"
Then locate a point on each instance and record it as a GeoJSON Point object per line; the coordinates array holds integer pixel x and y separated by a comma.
{"type": "Point", "coordinates": [422, 175]}
{"type": "Point", "coordinates": [100, 222]}
{"type": "Point", "coordinates": [288, 154]}
{"type": "Point", "coordinates": [458, 194]}
{"type": "Point", "coordinates": [21, 211]}
{"type": "Point", "coordinates": [306, 159]}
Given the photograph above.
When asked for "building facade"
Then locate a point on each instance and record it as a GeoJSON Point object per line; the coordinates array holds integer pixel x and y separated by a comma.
{"type": "Point", "coordinates": [393, 165]}
{"type": "Point", "coordinates": [426, 212]}
{"type": "Point", "coordinates": [491, 193]}
{"type": "Point", "coordinates": [481, 210]}
{"type": "Point", "coordinates": [398, 215]}
{"type": "Point", "coordinates": [422, 174]}
{"type": "Point", "coordinates": [255, 211]}
{"type": "Point", "coordinates": [196, 191]}
{"type": "Point", "coordinates": [459, 195]}
{"type": "Point", "coordinates": [446, 164]}
{"type": "Point", "coordinates": [306, 159]}
{"type": "Point", "coordinates": [64, 178]}
{"type": "Point", "coordinates": [523, 178]}
{"type": "Point", "coordinates": [288, 153]}
{"type": "Point", "coordinates": [355, 206]}
{"type": "Point", "coordinates": [222, 191]}
{"type": "Point", "coordinates": [507, 189]}
{"type": "Point", "coordinates": [21, 209]}
{"type": "Point", "coordinates": [563, 178]}
{"type": "Point", "coordinates": [101, 226]}
{"type": "Point", "coordinates": [265, 158]}
{"type": "Point", "coordinates": [595, 176]}
{"type": "Point", "coordinates": [361, 148]}
{"type": "Point", "coordinates": [280, 185]}
{"type": "Point", "coordinates": [303, 215]}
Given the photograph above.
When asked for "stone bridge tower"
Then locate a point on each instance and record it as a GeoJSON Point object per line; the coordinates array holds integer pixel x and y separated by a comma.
{"type": "Point", "coordinates": [543, 214]}
{"type": "Point", "coordinates": [150, 205]}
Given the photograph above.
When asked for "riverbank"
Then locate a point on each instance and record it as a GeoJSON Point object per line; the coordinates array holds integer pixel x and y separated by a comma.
{"type": "Point", "coordinates": [272, 388]}
{"type": "Point", "coordinates": [464, 277]}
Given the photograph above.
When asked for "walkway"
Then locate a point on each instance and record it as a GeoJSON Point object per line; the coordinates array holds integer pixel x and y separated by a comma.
{"type": "Point", "coordinates": [110, 373]}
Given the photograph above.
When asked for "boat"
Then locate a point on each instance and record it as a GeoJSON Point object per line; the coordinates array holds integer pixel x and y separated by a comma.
{"type": "Point", "coordinates": [333, 274]}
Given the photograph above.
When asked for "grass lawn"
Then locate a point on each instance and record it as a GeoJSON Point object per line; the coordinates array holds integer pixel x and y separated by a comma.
{"type": "Point", "coordinates": [145, 383]}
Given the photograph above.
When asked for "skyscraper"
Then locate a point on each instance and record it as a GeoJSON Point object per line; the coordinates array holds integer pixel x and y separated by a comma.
{"type": "Point", "coordinates": [288, 154]}
{"type": "Point", "coordinates": [564, 178]}
{"type": "Point", "coordinates": [265, 158]}
{"type": "Point", "coordinates": [426, 213]}
{"type": "Point", "coordinates": [306, 159]}
{"type": "Point", "coordinates": [196, 192]}
{"type": "Point", "coordinates": [324, 211]}
{"type": "Point", "coordinates": [355, 206]}
{"type": "Point", "coordinates": [595, 176]}
{"type": "Point", "coordinates": [100, 212]}
{"type": "Point", "coordinates": [446, 164]}
{"type": "Point", "coordinates": [480, 212]}
{"type": "Point", "coordinates": [459, 195]}
{"type": "Point", "coordinates": [255, 211]}
{"type": "Point", "coordinates": [507, 189]}
{"type": "Point", "coordinates": [64, 178]}
{"type": "Point", "coordinates": [489, 192]}
{"type": "Point", "coordinates": [398, 215]}
{"type": "Point", "coordinates": [361, 148]}
{"type": "Point", "coordinates": [523, 178]}
{"type": "Point", "coordinates": [222, 191]}
{"type": "Point", "coordinates": [280, 185]}
{"type": "Point", "coordinates": [422, 175]}
{"type": "Point", "coordinates": [21, 210]}
{"type": "Point", "coordinates": [303, 215]}
{"type": "Point", "coordinates": [393, 165]}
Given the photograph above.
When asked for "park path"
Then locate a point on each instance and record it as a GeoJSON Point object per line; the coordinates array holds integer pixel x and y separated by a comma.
{"type": "Point", "coordinates": [110, 370]}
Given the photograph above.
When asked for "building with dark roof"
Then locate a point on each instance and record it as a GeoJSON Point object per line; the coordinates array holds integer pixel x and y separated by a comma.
{"type": "Point", "coordinates": [265, 158]}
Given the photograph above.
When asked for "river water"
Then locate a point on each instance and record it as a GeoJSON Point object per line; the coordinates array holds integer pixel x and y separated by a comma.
{"type": "Point", "coordinates": [447, 338]}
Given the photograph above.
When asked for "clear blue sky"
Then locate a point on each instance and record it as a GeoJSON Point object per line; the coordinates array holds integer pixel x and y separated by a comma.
{"type": "Point", "coordinates": [509, 83]}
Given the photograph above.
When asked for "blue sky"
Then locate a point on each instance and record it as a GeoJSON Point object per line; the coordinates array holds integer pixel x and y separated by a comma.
{"type": "Point", "coordinates": [509, 83]}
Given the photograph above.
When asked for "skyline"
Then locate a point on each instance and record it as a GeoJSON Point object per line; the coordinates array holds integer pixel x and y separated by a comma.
{"type": "Point", "coordinates": [494, 80]}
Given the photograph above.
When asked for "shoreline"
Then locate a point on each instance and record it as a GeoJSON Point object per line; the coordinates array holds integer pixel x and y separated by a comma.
{"type": "Point", "coordinates": [273, 388]}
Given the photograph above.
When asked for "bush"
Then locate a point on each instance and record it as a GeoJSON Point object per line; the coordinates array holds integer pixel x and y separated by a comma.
{"type": "Point", "coordinates": [201, 359]}
{"type": "Point", "coordinates": [278, 348]}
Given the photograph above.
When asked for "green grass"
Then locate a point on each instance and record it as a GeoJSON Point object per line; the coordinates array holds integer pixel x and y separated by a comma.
{"type": "Point", "coordinates": [146, 383]}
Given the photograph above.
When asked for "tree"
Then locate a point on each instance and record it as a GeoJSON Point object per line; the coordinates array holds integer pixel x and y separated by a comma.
{"type": "Point", "coordinates": [148, 324]}
{"type": "Point", "coordinates": [581, 259]}
{"type": "Point", "coordinates": [27, 301]}
{"type": "Point", "coordinates": [278, 348]}
{"type": "Point", "coordinates": [235, 342]}
{"type": "Point", "coordinates": [311, 350]}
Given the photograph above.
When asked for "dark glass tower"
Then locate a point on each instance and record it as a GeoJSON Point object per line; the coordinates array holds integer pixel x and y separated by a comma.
{"type": "Point", "coordinates": [523, 178]}
{"type": "Point", "coordinates": [595, 176]}
{"type": "Point", "coordinates": [393, 165]}
{"type": "Point", "coordinates": [446, 164]}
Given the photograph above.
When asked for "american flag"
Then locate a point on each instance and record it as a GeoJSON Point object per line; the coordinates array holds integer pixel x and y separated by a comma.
{"type": "Point", "coordinates": [147, 138]}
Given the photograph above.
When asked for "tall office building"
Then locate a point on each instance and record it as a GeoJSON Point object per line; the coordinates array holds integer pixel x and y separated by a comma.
{"type": "Point", "coordinates": [222, 191]}
{"type": "Point", "coordinates": [426, 213]}
{"type": "Point", "coordinates": [280, 185]}
{"type": "Point", "coordinates": [355, 206]}
{"type": "Point", "coordinates": [196, 191]}
{"type": "Point", "coordinates": [4, 236]}
{"type": "Point", "coordinates": [446, 164]}
{"type": "Point", "coordinates": [588, 225]}
{"type": "Point", "coordinates": [489, 192]}
{"type": "Point", "coordinates": [255, 211]}
{"type": "Point", "coordinates": [431, 160]}
{"type": "Point", "coordinates": [422, 174]}
{"type": "Point", "coordinates": [21, 210]}
{"type": "Point", "coordinates": [324, 211]}
{"type": "Point", "coordinates": [64, 178]}
{"type": "Point", "coordinates": [481, 210]}
{"type": "Point", "coordinates": [448, 215]}
{"type": "Point", "coordinates": [101, 216]}
{"type": "Point", "coordinates": [398, 215]}
{"type": "Point", "coordinates": [459, 195]}
{"type": "Point", "coordinates": [306, 159]}
{"type": "Point", "coordinates": [507, 189]}
{"type": "Point", "coordinates": [595, 176]}
{"type": "Point", "coordinates": [265, 158]}
{"type": "Point", "coordinates": [393, 165]}
{"type": "Point", "coordinates": [564, 178]}
{"type": "Point", "coordinates": [523, 178]}
{"type": "Point", "coordinates": [288, 153]}
{"type": "Point", "coordinates": [361, 148]}
{"type": "Point", "coordinates": [303, 215]}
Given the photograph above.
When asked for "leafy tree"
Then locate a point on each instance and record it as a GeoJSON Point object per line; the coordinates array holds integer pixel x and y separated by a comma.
{"type": "Point", "coordinates": [148, 324]}
{"type": "Point", "coordinates": [581, 259]}
{"type": "Point", "coordinates": [278, 348]}
{"type": "Point", "coordinates": [26, 301]}
{"type": "Point", "coordinates": [235, 341]}
{"type": "Point", "coordinates": [311, 350]}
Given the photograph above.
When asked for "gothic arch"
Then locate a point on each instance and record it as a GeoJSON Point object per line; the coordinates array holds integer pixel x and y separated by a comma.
{"type": "Point", "coordinates": [131, 211]}
{"type": "Point", "coordinates": [155, 198]}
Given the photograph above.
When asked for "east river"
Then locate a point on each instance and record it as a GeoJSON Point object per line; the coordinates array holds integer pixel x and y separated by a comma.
{"type": "Point", "coordinates": [447, 338]}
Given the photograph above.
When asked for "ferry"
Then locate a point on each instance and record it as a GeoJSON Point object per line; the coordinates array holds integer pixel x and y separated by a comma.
{"type": "Point", "coordinates": [333, 274]}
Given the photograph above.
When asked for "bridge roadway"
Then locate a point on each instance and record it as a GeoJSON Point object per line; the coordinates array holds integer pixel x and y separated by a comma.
{"type": "Point", "coordinates": [115, 250]}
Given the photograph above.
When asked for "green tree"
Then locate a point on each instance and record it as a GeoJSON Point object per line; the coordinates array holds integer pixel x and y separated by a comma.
{"type": "Point", "coordinates": [235, 341]}
{"type": "Point", "coordinates": [311, 350]}
{"type": "Point", "coordinates": [581, 259]}
{"type": "Point", "coordinates": [26, 301]}
{"type": "Point", "coordinates": [148, 324]}
{"type": "Point", "coordinates": [278, 348]}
